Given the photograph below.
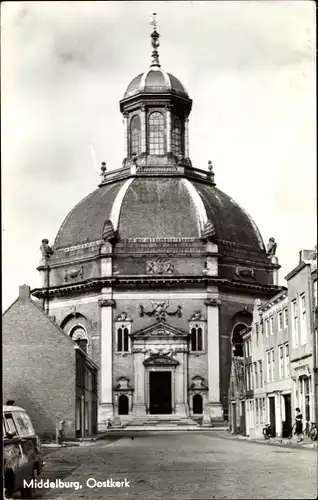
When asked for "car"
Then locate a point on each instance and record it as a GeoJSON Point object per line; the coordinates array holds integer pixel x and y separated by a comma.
{"type": "Point", "coordinates": [21, 451]}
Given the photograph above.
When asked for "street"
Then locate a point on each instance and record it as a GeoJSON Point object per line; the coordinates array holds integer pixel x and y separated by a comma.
{"type": "Point", "coordinates": [180, 466]}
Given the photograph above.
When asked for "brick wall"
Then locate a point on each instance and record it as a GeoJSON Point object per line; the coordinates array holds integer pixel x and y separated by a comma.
{"type": "Point", "coordinates": [38, 368]}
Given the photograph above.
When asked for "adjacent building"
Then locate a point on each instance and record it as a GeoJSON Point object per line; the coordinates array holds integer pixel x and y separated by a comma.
{"type": "Point", "coordinates": [303, 333]}
{"type": "Point", "coordinates": [279, 357]}
{"type": "Point", "coordinates": [48, 372]}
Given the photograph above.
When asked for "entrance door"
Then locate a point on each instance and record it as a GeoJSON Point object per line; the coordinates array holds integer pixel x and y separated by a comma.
{"type": "Point", "coordinates": [243, 422]}
{"type": "Point", "coordinates": [160, 393]}
{"type": "Point", "coordinates": [197, 404]}
{"type": "Point", "coordinates": [272, 415]}
{"type": "Point", "coordinates": [234, 417]}
{"type": "Point", "coordinates": [287, 424]}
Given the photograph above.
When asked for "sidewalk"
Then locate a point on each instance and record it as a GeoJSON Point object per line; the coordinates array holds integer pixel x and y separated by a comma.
{"type": "Point", "coordinates": [307, 443]}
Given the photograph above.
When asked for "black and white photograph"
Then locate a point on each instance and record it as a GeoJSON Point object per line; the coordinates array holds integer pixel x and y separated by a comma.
{"type": "Point", "coordinates": [159, 250]}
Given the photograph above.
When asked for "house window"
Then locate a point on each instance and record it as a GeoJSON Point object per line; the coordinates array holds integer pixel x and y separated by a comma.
{"type": "Point", "coordinates": [271, 325]}
{"type": "Point", "coordinates": [281, 362]}
{"type": "Point", "coordinates": [247, 348]}
{"type": "Point", "coordinates": [255, 376]}
{"type": "Point", "coordinates": [122, 337]}
{"type": "Point", "coordinates": [257, 333]}
{"type": "Point", "coordinates": [176, 136]}
{"type": "Point", "coordinates": [268, 356]}
{"type": "Point", "coordinates": [285, 317]}
{"type": "Point", "coordinates": [260, 371]}
{"type": "Point", "coordinates": [286, 360]}
{"type": "Point", "coordinates": [266, 326]}
{"type": "Point", "coordinates": [295, 322]}
{"type": "Point", "coordinates": [135, 135]}
{"type": "Point", "coordinates": [248, 378]}
{"type": "Point", "coordinates": [156, 134]}
{"type": "Point", "coordinates": [272, 365]}
{"type": "Point", "coordinates": [315, 294]}
{"type": "Point", "coordinates": [196, 332]}
{"type": "Point", "coordinates": [280, 320]}
{"type": "Point", "coordinates": [257, 410]}
{"type": "Point", "coordinates": [303, 321]}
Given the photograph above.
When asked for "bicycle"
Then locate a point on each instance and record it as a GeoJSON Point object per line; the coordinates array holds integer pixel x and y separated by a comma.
{"type": "Point", "coordinates": [313, 432]}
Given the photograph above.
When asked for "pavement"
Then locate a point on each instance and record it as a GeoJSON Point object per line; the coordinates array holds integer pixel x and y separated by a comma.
{"type": "Point", "coordinates": [306, 443]}
{"type": "Point", "coordinates": [178, 466]}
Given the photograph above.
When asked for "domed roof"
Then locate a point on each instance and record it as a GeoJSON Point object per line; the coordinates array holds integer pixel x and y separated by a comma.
{"type": "Point", "coordinates": [155, 80]}
{"type": "Point", "coordinates": [152, 207]}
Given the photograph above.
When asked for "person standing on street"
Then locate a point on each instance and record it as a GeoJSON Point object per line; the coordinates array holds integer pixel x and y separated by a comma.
{"type": "Point", "coordinates": [299, 426]}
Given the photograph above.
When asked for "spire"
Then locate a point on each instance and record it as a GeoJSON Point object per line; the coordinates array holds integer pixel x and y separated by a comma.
{"type": "Point", "coordinates": [154, 42]}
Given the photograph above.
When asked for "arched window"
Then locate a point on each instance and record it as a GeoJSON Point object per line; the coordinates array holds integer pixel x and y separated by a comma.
{"type": "Point", "coordinates": [122, 338]}
{"type": "Point", "coordinates": [78, 334]}
{"type": "Point", "coordinates": [196, 332]}
{"type": "Point", "coordinates": [123, 405]}
{"type": "Point", "coordinates": [176, 136]}
{"type": "Point", "coordinates": [237, 340]}
{"type": "Point", "coordinates": [197, 404]}
{"type": "Point", "coordinates": [156, 134]}
{"type": "Point", "coordinates": [135, 135]}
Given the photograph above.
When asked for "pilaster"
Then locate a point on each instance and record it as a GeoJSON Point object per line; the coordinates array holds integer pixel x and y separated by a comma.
{"type": "Point", "coordinates": [186, 138]}
{"type": "Point", "coordinates": [139, 407]}
{"type": "Point", "coordinates": [105, 409]}
{"type": "Point", "coordinates": [168, 122]}
{"type": "Point", "coordinates": [106, 267]}
{"type": "Point", "coordinates": [126, 135]}
{"type": "Point", "coordinates": [143, 130]}
{"type": "Point", "coordinates": [181, 405]}
{"type": "Point", "coordinates": [212, 260]}
{"type": "Point", "coordinates": [214, 408]}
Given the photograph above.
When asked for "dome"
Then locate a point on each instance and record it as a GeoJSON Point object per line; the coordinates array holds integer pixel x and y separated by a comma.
{"type": "Point", "coordinates": [152, 207]}
{"type": "Point", "coordinates": [155, 80]}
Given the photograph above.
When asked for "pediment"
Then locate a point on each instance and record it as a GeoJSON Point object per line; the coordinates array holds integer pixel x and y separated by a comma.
{"type": "Point", "coordinates": [161, 360]}
{"type": "Point", "coordinates": [161, 330]}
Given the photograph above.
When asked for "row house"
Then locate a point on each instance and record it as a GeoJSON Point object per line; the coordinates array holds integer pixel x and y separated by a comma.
{"type": "Point", "coordinates": [315, 329]}
{"type": "Point", "coordinates": [303, 334]}
{"type": "Point", "coordinates": [280, 354]}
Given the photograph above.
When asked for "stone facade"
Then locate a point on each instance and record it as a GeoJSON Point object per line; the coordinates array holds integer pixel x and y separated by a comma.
{"type": "Point", "coordinates": [158, 267]}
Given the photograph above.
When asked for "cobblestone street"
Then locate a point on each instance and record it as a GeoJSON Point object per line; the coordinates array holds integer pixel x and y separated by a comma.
{"type": "Point", "coordinates": [183, 466]}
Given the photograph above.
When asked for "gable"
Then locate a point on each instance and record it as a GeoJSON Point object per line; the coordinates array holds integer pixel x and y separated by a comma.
{"type": "Point", "coordinates": [26, 324]}
{"type": "Point", "coordinates": [161, 330]}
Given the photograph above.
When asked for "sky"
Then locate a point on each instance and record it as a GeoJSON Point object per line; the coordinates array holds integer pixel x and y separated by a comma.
{"type": "Point", "coordinates": [248, 66]}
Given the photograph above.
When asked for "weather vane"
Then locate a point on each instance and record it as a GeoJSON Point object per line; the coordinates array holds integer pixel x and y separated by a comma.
{"type": "Point", "coordinates": [154, 42]}
{"type": "Point", "coordinates": [153, 21]}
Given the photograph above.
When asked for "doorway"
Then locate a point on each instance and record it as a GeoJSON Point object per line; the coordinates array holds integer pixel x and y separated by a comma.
{"type": "Point", "coordinates": [234, 418]}
{"type": "Point", "coordinates": [197, 404]}
{"type": "Point", "coordinates": [123, 405]}
{"type": "Point", "coordinates": [287, 424]}
{"type": "Point", "coordinates": [160, 392]}
{"type": "Point", "coordinates": [272, 415]}
{"type": "Point", "coordinates": [243, 421]}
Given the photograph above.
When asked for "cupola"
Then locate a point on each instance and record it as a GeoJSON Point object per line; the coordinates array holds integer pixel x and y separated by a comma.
{"type": "Point", "coordinates": [156, 107]}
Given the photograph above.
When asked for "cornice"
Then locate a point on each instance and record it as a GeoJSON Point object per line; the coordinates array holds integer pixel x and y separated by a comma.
{"type": "Point", "coordinates": [151, 281]}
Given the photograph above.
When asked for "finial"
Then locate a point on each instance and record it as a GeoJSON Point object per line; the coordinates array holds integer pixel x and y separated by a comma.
{"type": "Point", "coordinates": [154, 42]}
{"type": "Point", "coordinates": [103, 169]}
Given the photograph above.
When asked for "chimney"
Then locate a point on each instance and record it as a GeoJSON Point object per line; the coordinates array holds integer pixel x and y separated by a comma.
{"type": "Point", "coordinates": [305, 255]}
{"type": "Point", "coordinates": [24, 293]}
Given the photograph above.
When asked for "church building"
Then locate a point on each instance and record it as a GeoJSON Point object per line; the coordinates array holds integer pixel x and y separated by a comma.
{"type": "Point", "coordinates": [157, 270]}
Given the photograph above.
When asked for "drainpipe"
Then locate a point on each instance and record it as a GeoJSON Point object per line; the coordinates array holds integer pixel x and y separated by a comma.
{"type": "Point", "coordinates": [47, 289]}
{"type": "Point", "coordinates": [313, 392]}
